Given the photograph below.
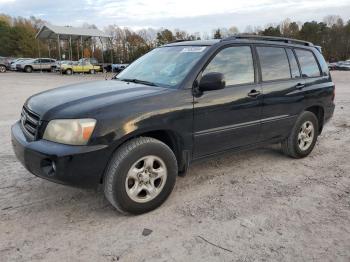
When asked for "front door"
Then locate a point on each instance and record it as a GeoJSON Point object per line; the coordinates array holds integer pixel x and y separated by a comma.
{"type": "Point", "coordinates": [230, 117]}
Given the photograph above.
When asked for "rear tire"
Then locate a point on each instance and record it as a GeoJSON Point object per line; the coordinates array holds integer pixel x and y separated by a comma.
{"type": "Point", "coordinates": [303, 137]}
{"type": "Point", "coordinates": [140, 176]}
{"type": "Point", "coordinates": [28, 69]}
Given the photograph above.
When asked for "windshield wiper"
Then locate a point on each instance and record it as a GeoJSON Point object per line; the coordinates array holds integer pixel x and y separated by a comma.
{"type": "Point", "coordinates": [138, 81]}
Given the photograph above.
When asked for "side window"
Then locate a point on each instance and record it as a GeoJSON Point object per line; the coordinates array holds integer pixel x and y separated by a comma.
{"type": "Point", "coordinates": [323, 63]}
{"type": "Point", "coordinates": [274, 63]}
{"type": "Point", "coordinates": [308, 64]}
{"type": "Point", "coordinates": [236, 63]}
{"type": "Point", "coordinates": [294, 69]}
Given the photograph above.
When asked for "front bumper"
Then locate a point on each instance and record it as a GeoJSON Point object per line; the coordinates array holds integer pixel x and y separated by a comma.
{"type": "Point", "coordinates": [79, 166]}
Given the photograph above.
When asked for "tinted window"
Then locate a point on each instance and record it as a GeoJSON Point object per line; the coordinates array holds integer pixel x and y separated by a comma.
{"type": "Point", "coordinates": [274, 63]}
{"type": "Point", "coordinates": [322, 62]}
{"type": "Point", "coordinates": [166, 66]}
{"type": "Point", "coordinates": [308, 64]}
{"type": "Point", "coordinates": [294, 69]}
{"type": "Point", "coordinates": [236, 63]}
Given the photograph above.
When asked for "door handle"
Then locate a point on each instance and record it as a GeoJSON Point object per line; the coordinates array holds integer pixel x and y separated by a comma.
{"type": "Point", "coordinates": [300, 86]}
{"type": "Point", "coordinates": [254, 93]}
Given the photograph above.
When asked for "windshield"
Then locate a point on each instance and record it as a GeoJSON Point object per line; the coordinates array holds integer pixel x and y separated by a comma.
{"type": "Point", "coordinates": [165, 66]}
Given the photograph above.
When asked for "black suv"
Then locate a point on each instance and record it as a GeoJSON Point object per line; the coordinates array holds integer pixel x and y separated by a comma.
{"type": "Point", "coordinates": [179, 103]}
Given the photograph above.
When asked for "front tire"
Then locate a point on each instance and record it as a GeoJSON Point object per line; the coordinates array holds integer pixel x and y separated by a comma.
{"type": "Point", "coordinates": [2, 69]}
{"type": "Point", "coordinates": [303, 136]}
{"type": "Point", "coordinates": [69, 71]}
{"type": "Point", "coordinates": [140, 176]}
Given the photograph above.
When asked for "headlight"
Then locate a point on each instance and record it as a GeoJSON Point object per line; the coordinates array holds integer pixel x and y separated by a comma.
{"type": "Point", "coordinates": [70, 131]}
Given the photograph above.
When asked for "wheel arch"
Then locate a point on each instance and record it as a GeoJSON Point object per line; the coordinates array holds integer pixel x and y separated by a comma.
{"type": "Point", "coordinates": [318, 110]}
{"type": "Point", "coordinates": [169, 137]}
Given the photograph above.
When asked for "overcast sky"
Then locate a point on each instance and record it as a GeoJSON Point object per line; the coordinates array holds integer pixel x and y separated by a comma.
{"type": "Point", "coordinates": [189, 15]}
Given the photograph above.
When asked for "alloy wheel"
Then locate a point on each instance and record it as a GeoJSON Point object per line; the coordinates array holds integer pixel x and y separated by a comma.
{"type": "Point", "coordinates": [306, 135]}
{"type": "Point", "coordinates": [146, 179]}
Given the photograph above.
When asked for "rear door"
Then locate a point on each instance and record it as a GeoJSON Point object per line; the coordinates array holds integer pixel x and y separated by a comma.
{"type": "Point", "coordinates": [46, 64]}
{"type": "Point", "coordinates": [319, 88]}
{"type": "Point", "coordinates": [282, 90]}
{"type": "Point", "coordinates": [36, 64]}
{"type": "Point", "coordinates": [78, 68]}
{"type": "Point", "coordinates": [228, 118]}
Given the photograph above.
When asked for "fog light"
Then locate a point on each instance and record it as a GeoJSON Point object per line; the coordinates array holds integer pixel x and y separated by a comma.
{"type": "Point", "coordinates": [53, 166]}
{"type": "Point", "coordinates": [48, 167]}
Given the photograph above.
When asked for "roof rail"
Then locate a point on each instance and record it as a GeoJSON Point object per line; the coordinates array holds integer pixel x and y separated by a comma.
{"type": "Point", "coordinates": [269, 38]}
{"type": "Point", "coordinates": [178, 41]}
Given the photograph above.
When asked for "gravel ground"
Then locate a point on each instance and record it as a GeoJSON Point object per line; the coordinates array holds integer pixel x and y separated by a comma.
{"type": "Point", "coordinates": [251, 206]}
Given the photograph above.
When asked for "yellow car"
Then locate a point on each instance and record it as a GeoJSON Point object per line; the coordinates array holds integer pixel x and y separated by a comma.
{"type": "Point", "coordinates": [81, 67]}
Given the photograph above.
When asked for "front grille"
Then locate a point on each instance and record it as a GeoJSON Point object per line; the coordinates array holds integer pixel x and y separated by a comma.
{"type": "Point", "coordinates": [30, 122]}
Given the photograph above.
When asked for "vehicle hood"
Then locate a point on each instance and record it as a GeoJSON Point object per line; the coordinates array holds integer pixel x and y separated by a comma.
{"type": "Point", "coordinates": [84, 99]}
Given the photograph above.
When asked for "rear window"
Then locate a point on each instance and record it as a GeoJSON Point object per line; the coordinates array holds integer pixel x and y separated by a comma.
{"type": "Point", "coordinates": [274, 63]}
{"type": "Point", "coordinates": [308, 63]}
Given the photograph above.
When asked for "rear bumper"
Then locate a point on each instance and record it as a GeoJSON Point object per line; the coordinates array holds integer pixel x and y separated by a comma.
{"type": "Point", "coordinates": [329, 111]}
{"type": "Point", "coordinates": [79, 166]}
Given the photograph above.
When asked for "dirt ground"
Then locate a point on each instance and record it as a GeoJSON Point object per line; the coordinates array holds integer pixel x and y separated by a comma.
{"type": "Point", "coordinates": [253, 206]}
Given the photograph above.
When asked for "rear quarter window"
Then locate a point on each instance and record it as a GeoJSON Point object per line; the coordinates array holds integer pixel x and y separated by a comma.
{"type": "Point", "coordinates": [323, 63]}
{"type": "Point", "coordinates": [308, 63]}
{"type": "Point", "coordinates": [273, 63]}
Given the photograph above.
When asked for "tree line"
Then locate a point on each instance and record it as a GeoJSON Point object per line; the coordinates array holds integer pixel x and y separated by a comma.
{"type": "Point", "coordinates": [17, 38]}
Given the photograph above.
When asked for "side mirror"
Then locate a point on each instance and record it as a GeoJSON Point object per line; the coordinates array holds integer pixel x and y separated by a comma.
{"type": "Point", "coordinates": [212, 81]}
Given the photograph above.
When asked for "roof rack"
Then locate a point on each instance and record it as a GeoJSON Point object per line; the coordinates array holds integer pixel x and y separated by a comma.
{"type": "Point", "coordinates": [269, 38]}
{"type": "Point", "coordinates": [178, 41]}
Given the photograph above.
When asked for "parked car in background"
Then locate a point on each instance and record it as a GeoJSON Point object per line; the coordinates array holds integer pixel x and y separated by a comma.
{"type": "Point", "coordinates": [179, 103]}
{"type": "Point", "coordinates": [39, 64]}
{"type": "Point", "coordinates": [343, 65]}
{"type": "Point", "coordinates": [332, 66]}
{"type": "Point", "coordinates": [90, 60]}
{"type": "Point", "coordinates": [4, 64]}
{"type": "Point", "coordinates": [13, 66]}
{"type": "Point", "coordinates": [117, 68]}
{"type": "Point", "coordinates": [83, 66]}
{"type": "Point", "coordinates": [64, 62]}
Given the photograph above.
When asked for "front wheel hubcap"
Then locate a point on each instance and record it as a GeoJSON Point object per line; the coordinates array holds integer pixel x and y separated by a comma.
{"type": "Point", "coordinates": [306, 135]}
{"type": "Point", "coordinates": [146, 179]}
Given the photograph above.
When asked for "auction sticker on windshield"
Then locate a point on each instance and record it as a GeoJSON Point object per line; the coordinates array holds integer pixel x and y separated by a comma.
{"type": "Point", "coordinates": [193, 49]}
